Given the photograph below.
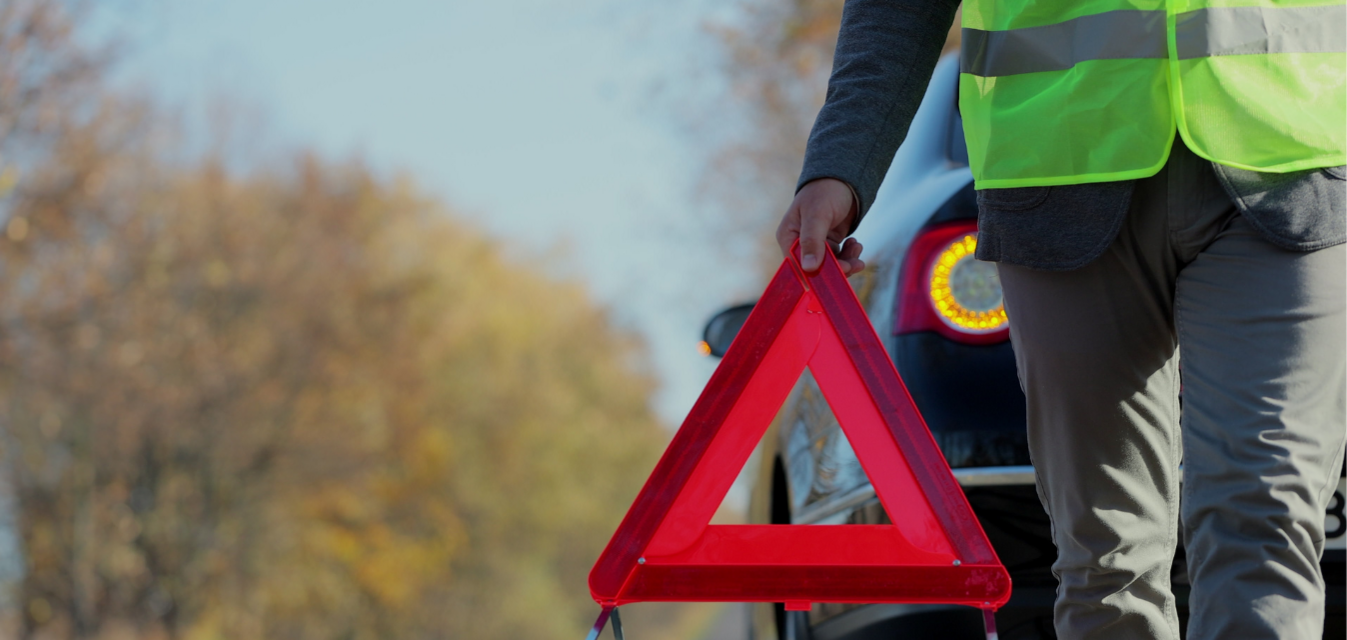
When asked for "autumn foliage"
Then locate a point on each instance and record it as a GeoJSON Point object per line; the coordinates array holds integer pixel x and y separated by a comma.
{"type": "Point", "coordinates": [299, 402]}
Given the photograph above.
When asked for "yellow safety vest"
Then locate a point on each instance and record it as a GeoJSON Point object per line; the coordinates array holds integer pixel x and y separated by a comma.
{"type": "Point", "coordinates": [1055, 92]}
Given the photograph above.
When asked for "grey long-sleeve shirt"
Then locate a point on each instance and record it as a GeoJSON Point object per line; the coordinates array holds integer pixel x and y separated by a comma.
{"type": "Point", "coordinates": [886, 52]}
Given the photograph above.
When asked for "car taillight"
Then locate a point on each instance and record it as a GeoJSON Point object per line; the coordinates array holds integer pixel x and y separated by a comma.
{"type": "Point", "coordinates": [943, 289]}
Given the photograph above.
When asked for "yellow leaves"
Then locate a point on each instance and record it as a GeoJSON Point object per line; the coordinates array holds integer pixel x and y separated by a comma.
{"type": "Point", "coordinates": [391, 558]}
{"type": "Point", "coordinates": [308, 404]}
{"type": "Point", "coordinates": [17, 229]}
{"type": "Point", "coordinates": [130, 353]}
{"type": "Point", "coordinates": [429, 456]}
{"type": "Point", "coordinates": [394, 568]}
{"type": "Point", "coordinates": [217, 273]}
{"type": "Point", "coordinates": [40, 610]}
{"type": "Point", "coordinates": [9, 178]}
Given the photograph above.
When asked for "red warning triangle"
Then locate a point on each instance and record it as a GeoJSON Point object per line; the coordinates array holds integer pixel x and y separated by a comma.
{"type": "Point", "coordinates": [935, 552]}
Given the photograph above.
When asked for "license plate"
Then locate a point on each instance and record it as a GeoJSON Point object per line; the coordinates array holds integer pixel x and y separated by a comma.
{"type": "Point", "coordinates": [1335, 524]}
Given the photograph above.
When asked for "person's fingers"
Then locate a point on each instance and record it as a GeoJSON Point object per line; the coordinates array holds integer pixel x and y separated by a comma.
{"type": "Point", "coordinates": [851, 249]}
{"type": "Point", "coordinates": [850, 256]}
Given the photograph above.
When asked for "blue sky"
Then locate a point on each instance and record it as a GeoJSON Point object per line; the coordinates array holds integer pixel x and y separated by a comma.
{"type": "Point", "coordinates": [552, 124]}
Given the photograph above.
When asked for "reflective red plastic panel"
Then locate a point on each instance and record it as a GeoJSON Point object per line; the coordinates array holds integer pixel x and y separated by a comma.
{"type": "Point", "coordinates": [935, 552]}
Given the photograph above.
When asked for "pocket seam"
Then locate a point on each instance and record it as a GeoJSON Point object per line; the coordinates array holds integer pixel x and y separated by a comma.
{"type": "Point", "coordinates": [1336, 173]}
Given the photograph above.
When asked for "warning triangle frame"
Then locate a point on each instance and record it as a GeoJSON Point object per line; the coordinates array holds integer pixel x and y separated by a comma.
{"type": "Point", "coordinates": [935, 552]}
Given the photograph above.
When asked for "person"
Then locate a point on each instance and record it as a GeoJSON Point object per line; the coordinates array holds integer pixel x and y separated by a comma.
{"type": "Point", "coordinates": [1149, 182]}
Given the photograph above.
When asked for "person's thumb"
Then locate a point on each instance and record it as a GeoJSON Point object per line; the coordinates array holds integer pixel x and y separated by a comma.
{"type": "Point", "coordinates": [814, 226]}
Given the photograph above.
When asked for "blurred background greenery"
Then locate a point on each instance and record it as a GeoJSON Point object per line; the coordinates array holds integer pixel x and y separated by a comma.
{"type": "Point", "coordinates": [309, 399]}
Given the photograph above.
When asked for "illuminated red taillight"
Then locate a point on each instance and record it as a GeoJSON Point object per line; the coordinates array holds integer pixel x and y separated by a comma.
{"type": "Point", "coordinates": [943, 289]}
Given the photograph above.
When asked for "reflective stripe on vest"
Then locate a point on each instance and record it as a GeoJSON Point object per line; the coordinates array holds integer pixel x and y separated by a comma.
{"type": "Point", "coordinates": [1237, 31]}
{"type": "Point", "coordinates": [1097, 97]}
{"type": "Point", "coordinates": [1114, 35]}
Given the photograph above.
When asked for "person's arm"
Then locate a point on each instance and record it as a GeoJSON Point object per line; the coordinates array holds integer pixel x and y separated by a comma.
{"type": "Point", "coordinates": [886, 52]}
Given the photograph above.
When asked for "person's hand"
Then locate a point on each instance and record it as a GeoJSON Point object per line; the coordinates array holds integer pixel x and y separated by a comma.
{"type": "Point", "coordinates": [820, 218]}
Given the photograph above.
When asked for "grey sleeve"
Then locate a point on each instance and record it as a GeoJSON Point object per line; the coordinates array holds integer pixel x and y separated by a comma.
{"type": "Point", "coordinates": [886, 52]}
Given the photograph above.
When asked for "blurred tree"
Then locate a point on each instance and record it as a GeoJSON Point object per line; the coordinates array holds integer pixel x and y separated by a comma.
{"type": "Point", "coordinates": [302, 403]}
{"type": "Point", "coordinates": [775, 56]}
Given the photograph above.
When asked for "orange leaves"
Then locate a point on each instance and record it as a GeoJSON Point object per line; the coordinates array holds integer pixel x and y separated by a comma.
{"type": "Point", "coordinates": [307, 404]}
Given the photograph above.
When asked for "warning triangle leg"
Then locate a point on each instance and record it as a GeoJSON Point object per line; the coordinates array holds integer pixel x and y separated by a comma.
{"type": "Point", "coordinates": [601, 622]}
{"type": "Point", "coordinates": [604, 615]}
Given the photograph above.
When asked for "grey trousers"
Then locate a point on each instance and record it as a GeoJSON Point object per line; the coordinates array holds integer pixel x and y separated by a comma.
{"type": "Point", "coordinates": [1262, 335]}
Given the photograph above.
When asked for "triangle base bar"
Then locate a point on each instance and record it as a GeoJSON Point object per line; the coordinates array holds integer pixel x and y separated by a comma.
{"type": "Point", "coordinates": [976, 586]}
